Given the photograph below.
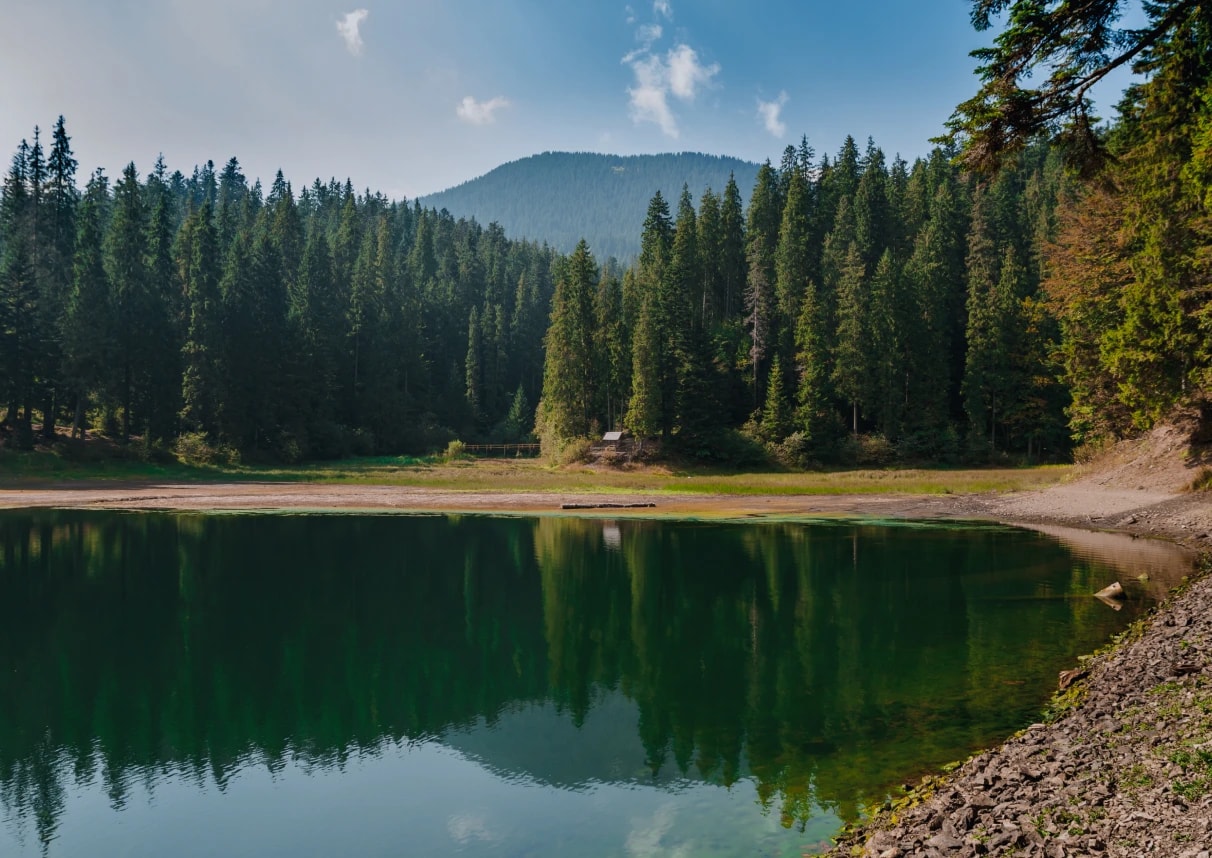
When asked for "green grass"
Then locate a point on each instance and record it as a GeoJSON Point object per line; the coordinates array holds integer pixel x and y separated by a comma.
{"type": "Point", "coordinates": [528, 475]}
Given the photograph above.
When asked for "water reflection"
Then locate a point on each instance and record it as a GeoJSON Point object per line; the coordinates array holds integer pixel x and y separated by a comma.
{"type": "Point", "coordinates": [170, 657]}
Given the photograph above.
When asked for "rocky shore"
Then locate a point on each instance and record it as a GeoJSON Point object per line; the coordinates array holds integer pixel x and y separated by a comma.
{"type": "Point", "coordinates": [1123, 769]}
{"type": "Point", "coordinates": [1122, 763]}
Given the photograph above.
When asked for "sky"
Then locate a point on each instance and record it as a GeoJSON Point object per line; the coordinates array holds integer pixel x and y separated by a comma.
{"type": "Point", "coordinates": [409, 97]}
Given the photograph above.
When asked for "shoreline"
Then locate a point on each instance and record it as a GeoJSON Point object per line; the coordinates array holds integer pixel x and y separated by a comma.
{"type": "Point", "coordinates": [1124, 768]}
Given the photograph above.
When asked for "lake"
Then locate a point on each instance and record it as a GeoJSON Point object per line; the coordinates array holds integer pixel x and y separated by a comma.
{"type": "Point", "coordinates": [315, 685]}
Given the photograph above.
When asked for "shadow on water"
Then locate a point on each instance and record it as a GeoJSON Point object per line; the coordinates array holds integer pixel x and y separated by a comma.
{"type": "Point", "coordinates": [810, 666]}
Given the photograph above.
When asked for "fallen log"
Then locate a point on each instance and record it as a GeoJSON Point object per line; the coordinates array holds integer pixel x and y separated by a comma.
{"type": "Point", "coordinates": [606, 505]}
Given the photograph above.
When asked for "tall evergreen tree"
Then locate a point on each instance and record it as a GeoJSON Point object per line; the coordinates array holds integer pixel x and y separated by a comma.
{"type": "Point", "coordinates": [87, 324]}
{"type": "Point", "coordinates": [198, 262]}
{"type": "Point", "coordinates": [569, 385]}
{"type": "Point", "coordinates": [126, 264]}
{"type": "Point", "coordinates": [733, 266]}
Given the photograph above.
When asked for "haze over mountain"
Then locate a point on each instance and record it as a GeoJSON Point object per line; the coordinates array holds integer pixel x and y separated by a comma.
{"type": "Point", "coordinates": [561, 197]}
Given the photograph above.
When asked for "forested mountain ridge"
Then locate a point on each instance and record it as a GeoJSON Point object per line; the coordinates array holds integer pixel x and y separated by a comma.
{"type": "Point", "coordinates": [562, 197]}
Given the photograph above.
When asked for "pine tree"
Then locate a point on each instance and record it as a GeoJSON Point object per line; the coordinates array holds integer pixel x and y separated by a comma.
{"type": "Point", "coordinates": [87, 324]}
{"type": "Point", "coordinates": [852, 359]}
{"type": "Point", "coordinates": [519, 419]}
{"type": "Point", "coordinates": [776, 413]}
{"type": "Point", "coordinates": [762, 227]}
{"type": "Point", "coordinates": [793, 255]}
{"type": "Point", "coordinates": [760, 306]}
{"type": "Point", "coordinates": [932, 274]}
{"type": "Point", "coordinates": [733, 265]}
{"type": "Point", "coordinates": [163, 341]}
{"type": "Point", "coordinates": [18, 297]}
{"type": "Point", "coordinates": [198, 261]}
{"type": "Point", "coordinates": [644, 408]}
{"type": "Point", "coordinates": [472, 368]}
{"type": "Point", "coordinates": [682, 388]}
{"type": "Point", "coordinates": [889, 318]}
{"type": "Point", "coordinates": [569, 385]}
{"type": "Point", "coordinates": [612, 349]}
{"type": "Point", "coordinates": [58, 227]}
{"type": "Point", "coordinates": [126, 265]}
{"type": "Point", "coordinates": [871, 209]}
{"type": "Point", "coordinates": [710, 301]}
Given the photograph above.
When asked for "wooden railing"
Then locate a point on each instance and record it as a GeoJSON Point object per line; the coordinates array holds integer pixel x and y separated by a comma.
{"type": "Point", "coordinates": [502, 451]}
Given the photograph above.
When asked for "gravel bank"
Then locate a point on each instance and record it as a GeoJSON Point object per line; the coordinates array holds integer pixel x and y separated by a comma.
{"type": "Point", "coordinates": [1125, 769]}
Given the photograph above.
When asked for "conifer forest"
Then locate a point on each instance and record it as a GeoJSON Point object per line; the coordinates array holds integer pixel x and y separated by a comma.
{"type": "Point", "coordinates": [858, 306]}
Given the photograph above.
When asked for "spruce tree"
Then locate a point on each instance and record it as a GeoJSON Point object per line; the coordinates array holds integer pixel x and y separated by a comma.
{"type": "Point", "coordinates": [852, 370]}
{"type": "Point", "coordinates": [733, 266]}
{"type": "Point", "coordinates": [473, 370]}
{"type": "Point", "coordinates": [198, 261]}
{"type": "Point", "coordinates": [87, 325]}
{"type": "Point", "coordinates": [644, 408]}
{"type": "Point", "coordinates": [569, 385]}
{"type": "Point", "coordinates": [776, 413]}
{"type": "Point", "coordinates": [18, 297]}
{"type": "Point", "coordinates": [126, 264]}
{"type": "Point", "coordinates": [793, 255]}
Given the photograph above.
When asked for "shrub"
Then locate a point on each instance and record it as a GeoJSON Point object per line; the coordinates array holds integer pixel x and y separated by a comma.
{"type": "Point", "coordinates": [725, 447]}
{"type": "Point", "coordinates": [574, 451]}
{"type": "Point", "coordinates": [794, 451]}
{"type": "Point", "coordinates": [1091, 450]}
{"type": "Point", "coordinates": [868, 451]}
{"type": "Point", "coordinates": [1202, 481]}
{"type": "Point", "coordinates": [194, 448]}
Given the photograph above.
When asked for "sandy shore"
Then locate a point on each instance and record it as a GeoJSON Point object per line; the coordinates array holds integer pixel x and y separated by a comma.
{"type": "Point", "coordinates": [1183, 518]}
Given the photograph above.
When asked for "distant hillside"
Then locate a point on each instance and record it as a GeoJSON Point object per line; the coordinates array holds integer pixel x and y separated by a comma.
{"type": "Point", "coordinates": [560, 197]}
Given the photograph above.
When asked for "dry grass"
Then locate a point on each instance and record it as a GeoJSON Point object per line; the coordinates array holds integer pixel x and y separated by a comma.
{"type": "Point", "coordinates": [529, 475]}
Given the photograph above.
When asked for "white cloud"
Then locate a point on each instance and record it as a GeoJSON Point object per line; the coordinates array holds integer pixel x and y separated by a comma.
{"type": "Point", "coordinates": [686, 73]}
{"type": "Point", "coordinates": [770, 113]}
{"type": "Point", "coordinates": [650, 95]}
{"type": "Point", "coordinates": [679, 73]}
{"type": "Point", "coordinates": [348, 28]}
{"type": "Point", "coordinates": [480, 112]}
{"type": "Point", "coordinates": [647, 34]}
{"type": "Point", "coordinates": [661, 8]}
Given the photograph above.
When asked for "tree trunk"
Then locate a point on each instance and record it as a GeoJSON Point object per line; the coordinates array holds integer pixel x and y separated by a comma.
{"type": "Point", "coordinates": [126, 397]}
{"type": "Point", "coordinates": [48, 417]}
{"type": "Point", "coordinates": [78, 418]}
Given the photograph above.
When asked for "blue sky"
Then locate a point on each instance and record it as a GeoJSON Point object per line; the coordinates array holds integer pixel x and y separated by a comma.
{"type": "Point", "coordinates": [412, 96]}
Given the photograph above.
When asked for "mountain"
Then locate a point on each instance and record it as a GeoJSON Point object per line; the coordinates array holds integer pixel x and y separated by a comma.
{"type": "Point", "coordinates": [561, 197]}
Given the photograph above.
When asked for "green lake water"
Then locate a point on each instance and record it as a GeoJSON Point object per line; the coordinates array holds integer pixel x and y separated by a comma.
{"type": "Point", "coordinates": [321, 685]}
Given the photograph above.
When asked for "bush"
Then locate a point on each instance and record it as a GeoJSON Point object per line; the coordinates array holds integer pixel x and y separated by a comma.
{"type": "Point", "coordinates": [868, 451]}
{"type": "Point", "coordinates": [290, 449]}
{"type": "Point", "coordinates": [934, 447]}
{"type": "Point", "coordinates": [1202, 481]}
{"type": "Point", "coordinates": [725, 447]}
{"type": "Point", "coordinates": [573, 451]}
{"type": "Point", "coordinates": [194, 448]}
{"type": "Point", "coordinates": [362, 442]}
{"type": "Point", "coordinates": [794, 451]}
{"type": "Point", "coordinates": [157, 452]}
{"type": "Point", "coordinates": [1092, 449]}
{"type": "Point", "coordinates": [455, 451]}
